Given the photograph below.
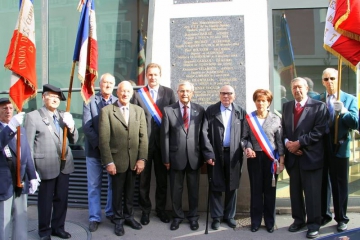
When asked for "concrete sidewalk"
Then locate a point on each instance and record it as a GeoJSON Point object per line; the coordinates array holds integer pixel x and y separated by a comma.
{"type": "Point", "coordinates": [77, 223]}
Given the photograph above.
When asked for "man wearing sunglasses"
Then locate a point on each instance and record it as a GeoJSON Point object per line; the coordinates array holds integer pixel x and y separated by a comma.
{"type": "Point", "coordinates": [344, 108]}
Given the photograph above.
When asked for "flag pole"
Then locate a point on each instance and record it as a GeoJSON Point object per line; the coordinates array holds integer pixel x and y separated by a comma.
{"type": "Point", "coordinates": [338, 98]}
{"type": "Point", "coordinates": [68, 101]}
{"type": "Point", "coordinates": [18, 163]}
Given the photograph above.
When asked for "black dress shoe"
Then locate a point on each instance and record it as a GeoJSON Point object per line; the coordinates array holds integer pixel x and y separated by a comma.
{"type": "Point", "coordinates": [270, 230]}
{"type": "Point", "coordinates": [230, 222]}
{"type": "Point", "coordinates": [194, 225]}
{"type": "Point", "coordinates": [133, 224]}
{"type": "Point", "coordinates": [61, 234]}
{"type": "Point", "coordinates": [45, 238]}
{"type": "Point", "coordinates": [215, 224]}
{"type": "Point", "coordinates": [296, 227]}
{"type": "Point", "coordinates": [111, 218]}
{"type": "Point", "coordinates": [119, 230]}
{"type": "Point", "coordinates": [175, 224]}
{"type": "Point", "coordinates": [254, 229]}
{"type": "Point", "coordinates": [312, 234]}
{"type": "Point", "coordinates": [163, 217]}
{"type": "Point", "coordinates": [145, 219]}
{"type": "Point", "coordinates": [93, 226]}
{"type": "Point", "coordinates": [325, 221]}
{"type": "Point", "coordinates": [341, 226]}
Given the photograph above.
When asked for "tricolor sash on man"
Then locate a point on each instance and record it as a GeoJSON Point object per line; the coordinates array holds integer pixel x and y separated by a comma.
{"type": "Point", "coordinates": [150, 104]}
{"type": "Point", "coordinates": [262, 139]}
{"type": "Point", "coordinates": [21, 58]}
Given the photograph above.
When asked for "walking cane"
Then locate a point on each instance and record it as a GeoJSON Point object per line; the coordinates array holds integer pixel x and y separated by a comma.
{"type": "Point", "coordinates": [210, 174]}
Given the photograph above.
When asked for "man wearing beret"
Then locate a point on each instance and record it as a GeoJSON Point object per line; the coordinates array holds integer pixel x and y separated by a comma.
{"type": "Point", "coordinates": [13, 200]}
{"type": "Point", "coordinates": [45, 129]}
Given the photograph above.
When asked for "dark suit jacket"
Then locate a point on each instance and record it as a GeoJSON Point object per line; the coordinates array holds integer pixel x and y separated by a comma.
{"type": "Point", "coordinates": [165, 97]}
{"type": "Point", "coordinates": [215, 126]}
{"type": "Point", "coordinates": [309, 131]}
{"type": "Point", "coordinates": [120, 143]}
{"type": "Point", "coordinates": [45, 143]}
{"type": "Point", "coordinates": [27, 163]}
{"type": "Point", "coordinates": [347, 122]}
{"type": "Point", "coordinates": [177, 146]}
{"type": "Point", "coordinates": [90, 123]}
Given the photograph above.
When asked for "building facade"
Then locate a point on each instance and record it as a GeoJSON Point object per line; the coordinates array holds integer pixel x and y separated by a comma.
{"type": "Point", "coordinates": [118, 25]}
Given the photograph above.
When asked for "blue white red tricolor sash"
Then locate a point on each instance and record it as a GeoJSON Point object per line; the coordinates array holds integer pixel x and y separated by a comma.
{"type": "Point", "coordinates": [262, 139]}
{"type": "Point", "coordinates": [150, 104]}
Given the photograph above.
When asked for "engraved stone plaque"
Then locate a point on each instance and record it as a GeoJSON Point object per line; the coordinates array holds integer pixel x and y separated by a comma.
{"type": "Point", "coordinates": [209, 52]}
{"type": "Point", "coordinates": [198, 1]}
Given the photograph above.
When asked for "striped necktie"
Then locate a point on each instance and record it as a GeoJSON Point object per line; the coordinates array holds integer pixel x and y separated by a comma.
{"type": "Point", "coordinates": [186, 118]}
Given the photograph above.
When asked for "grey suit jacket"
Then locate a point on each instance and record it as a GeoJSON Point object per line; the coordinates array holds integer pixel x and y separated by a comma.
{"type": "Point", "coordinates": [46, 144]}
{"type": "Point", "coordinates": [90, 123]}
{"type": "Point", "coordinates": [309, 131]}
{"type": "Point", "coordinates": [120, 143]}
{"type": "Point", "coordinates": [179, 147]}
{"type": "Point", "coordinates": [165, 97]}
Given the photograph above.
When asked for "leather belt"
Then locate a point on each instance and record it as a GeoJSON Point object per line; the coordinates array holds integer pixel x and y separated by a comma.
{"type": "Point", "coordinates": [226, 149]}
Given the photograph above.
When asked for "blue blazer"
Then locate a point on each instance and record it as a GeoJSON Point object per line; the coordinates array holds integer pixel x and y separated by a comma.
{"type": "Point", "coordinates": [27, 168]}
{"type": "Point", "coordinates": [90, 124]}
{"type": "Point", "coordinates": [347, 122]}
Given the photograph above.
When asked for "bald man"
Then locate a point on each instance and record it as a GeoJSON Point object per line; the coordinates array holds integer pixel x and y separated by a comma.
{"type": "Point", "coordinates": [123, 144]}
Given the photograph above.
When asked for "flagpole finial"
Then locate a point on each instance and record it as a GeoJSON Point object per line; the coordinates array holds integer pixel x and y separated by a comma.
{"type": "Point", "coordinates": [80, 5]}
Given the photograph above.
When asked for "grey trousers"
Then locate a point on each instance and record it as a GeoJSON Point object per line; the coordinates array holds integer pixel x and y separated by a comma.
{"type": "Point", "coordinates": [13, 213]}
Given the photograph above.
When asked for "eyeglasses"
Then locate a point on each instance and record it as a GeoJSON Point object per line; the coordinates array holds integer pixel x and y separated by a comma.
{"type": "Point", "coordinates": [331, 78]}
{"type": "Point", "coordinates": [226, 93]}
{"type": "Point", "coordinates": [184, 91]}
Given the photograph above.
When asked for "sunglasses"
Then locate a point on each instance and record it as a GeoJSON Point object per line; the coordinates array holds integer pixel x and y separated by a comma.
{"type": "Point", "coordinates": [327, 79]}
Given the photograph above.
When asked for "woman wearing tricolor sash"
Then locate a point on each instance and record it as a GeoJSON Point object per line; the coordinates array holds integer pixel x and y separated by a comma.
{"type": "Point", "coordinates": [264, 150]}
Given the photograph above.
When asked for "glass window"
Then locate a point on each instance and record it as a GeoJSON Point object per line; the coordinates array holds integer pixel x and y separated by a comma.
{"type": "Point", "coordinates": [306, 31]}
{"type": "Point", "coordinates": [118, 23]}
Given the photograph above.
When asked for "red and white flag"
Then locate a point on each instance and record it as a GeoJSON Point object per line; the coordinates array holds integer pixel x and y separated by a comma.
{"type": "Point", "coordinates": [86, 49]}
{"type": "Point", "coordinates": [21, 58]}
{"type": "Point", "coordinates": [339, 45]}
{"type": "Point", "coordinates": [347, 18]}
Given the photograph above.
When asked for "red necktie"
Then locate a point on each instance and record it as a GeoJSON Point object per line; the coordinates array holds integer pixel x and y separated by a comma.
{"type": "Point", "coordinates": [298, 106]}
{"type": "Point", "coordinates": [186, 118]}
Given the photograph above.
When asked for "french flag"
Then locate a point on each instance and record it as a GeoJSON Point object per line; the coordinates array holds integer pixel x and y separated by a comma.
{"type": "Point", "coordinates": [86, 49]}
{"type": "Point", "coordinates": [21, 58]}
{"type": "Point", "coordinates": [141, 61]}
{"type": "Point", "coordinates": [336, 43]}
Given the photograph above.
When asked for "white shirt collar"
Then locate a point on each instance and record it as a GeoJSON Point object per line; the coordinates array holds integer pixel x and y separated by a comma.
{"type": "Point", "coordinates": [302, 103]}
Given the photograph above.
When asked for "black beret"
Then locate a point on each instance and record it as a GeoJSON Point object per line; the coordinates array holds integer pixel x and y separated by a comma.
{"type": "Point", "coordinates": [4, 100]}
{"type": "Point", "coordinates": [51, 88]}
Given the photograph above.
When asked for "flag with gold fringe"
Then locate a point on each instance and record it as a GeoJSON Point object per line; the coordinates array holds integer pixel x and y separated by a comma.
{"type": "Point", "coordinates": [347, 18]}
{"type": "Point", "coordinates": [21, 58]}
{"type": "Point", "coordinates": [336, 43]}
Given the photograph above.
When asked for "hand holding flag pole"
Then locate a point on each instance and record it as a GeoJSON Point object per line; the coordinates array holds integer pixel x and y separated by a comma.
{"type": "Point", "coordinates": [86, 54]}
{"type": "Point", "coordinates": [341, 38]}
{"type": "Point", "coordinates": [23, 86]}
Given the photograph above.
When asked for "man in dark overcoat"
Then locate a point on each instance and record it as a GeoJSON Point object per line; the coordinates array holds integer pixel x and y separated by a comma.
{"type": "Point", "coordinates": [224, 122]}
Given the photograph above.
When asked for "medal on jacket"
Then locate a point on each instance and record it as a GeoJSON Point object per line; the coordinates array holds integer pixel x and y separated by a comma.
{"type": "Point", "coordinates": [7, 152]}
